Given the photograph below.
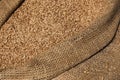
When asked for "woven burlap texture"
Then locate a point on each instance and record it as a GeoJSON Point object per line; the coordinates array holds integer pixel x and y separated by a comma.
{"type": "Point", "coordinates": [44, 38]}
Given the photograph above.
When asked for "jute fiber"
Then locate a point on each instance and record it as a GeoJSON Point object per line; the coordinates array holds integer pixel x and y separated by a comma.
{"type": "Point", "coordinates": [6, 9]}
{"type": "Point", "coordinates": [103, 66]}
{"type": "Point", "coordinates": [45, 38]}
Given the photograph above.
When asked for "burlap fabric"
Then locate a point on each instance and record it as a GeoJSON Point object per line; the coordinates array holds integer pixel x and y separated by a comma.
{"type": "Point", "coordinates": [103, 66]}
{"type": "Point", "coordinates": [47, 38]}
{"type": "Point", "coordinates": [7, 7]}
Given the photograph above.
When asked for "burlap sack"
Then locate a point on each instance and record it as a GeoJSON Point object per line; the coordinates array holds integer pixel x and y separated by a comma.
{"type": "Point", "coordinates": [7, 8]}
{"type": "Point", "coordinates": [103, 66]}
{"type": "Point", "coordinates": [44, 38]}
